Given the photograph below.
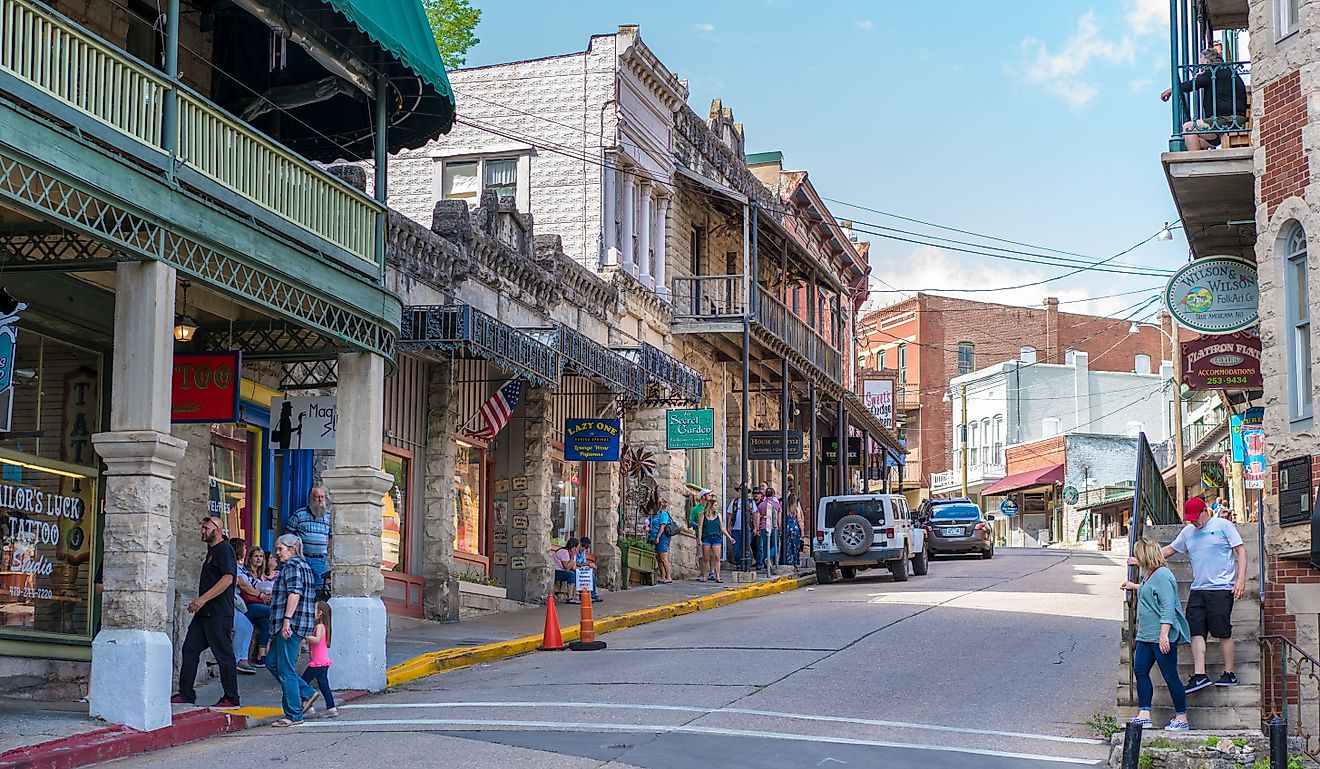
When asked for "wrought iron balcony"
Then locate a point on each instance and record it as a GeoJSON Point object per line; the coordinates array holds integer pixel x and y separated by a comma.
{"type": "Point", "coordinates": [461, 330]}
{"type": "Point", "coordinates": [977, 474]}
{"type": "Point", "coordinates": [1223, 119]}
{"type": "Point", "coordinates": [49, 61]}
{"type": "Point", "coordinates": [709, 297]}
{"type": "Point", "coordinates": [586, 357]}
{"type": "Point", "coordinates": [680, 381]}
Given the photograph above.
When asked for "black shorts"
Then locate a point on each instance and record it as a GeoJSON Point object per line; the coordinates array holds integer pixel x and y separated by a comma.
{"type": "Point", "coordinates": [1210, 610]}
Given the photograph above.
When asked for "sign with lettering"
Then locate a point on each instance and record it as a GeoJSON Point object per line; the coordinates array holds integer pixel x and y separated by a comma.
{"type": "Point", "coordinates": [592, 440]}
{"type": "Point", "coordinates": [690, 429]}
{"type": "Point", "coordinates": [304, 422]}
{"type": "Point", "coordinates": [830, 451]}
{"type": "Point", "coordinates": [9, 310]}
{"type": "Point", "coordinates": [1222, 362]}
{"type": "Point", "coordinates": [206, 386]}
{"type": "Point", "coordinates": [1295, 490]}
{"type": "Point", "coordinates": [1254, 470]}
{"type": "Point", "coordinates": [878, 397]}
{"type": "Point", "coordinates": [586, 579]}
{"type": "Point", "coordinates": [768, 445]}
{"type": "Point", "coordinates": [1214, 295]}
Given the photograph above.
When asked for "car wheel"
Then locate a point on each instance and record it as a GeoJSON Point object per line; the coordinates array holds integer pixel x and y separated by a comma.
{"type": "Point", "coordinates": [847, 572]}
{"type": "Point", "coordinates": [899, 568]}
{"type": "Point", "coordinates": [920, 564]}
{"type": "Point", "coordinates": [988, 554]}
{"type": "Point", "coordinates": [853, 535]}
{"type": "Point", "coordinates": [824, 574]}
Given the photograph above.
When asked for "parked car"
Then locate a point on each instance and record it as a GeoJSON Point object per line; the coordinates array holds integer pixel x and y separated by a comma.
{"type": "Point", "coordinates": [959, 527]}
{"type": "Point", "coordinates": [864, 531]}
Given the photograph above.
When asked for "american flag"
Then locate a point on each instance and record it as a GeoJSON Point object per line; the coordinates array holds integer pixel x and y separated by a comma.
{"type": "Point", "coordinates": [496, 411]}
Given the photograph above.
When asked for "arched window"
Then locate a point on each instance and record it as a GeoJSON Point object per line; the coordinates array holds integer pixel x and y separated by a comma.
{"type": "Point", "coordinates": [972, 445]}
{"type": "Point", "coordinates": [1141, 364]}
{"type": "Point", "coordinates": [1297, 312]}
{"type": "Point", "coordinates": [1027, 354]}
{"type": "Point", "coordinates": [997, 454]}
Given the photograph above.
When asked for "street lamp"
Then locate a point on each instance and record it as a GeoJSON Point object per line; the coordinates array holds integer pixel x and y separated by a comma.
{"type": "Point", "coordinates": [1166, 232]}
{"type": "Point", "coordinates": [1177, 403]}
{"type": "Point", "coordinates": [184, 325]}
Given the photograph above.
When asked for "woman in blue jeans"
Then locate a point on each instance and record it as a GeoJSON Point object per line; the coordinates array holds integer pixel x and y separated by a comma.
{"type": "Point", "coordinates": [1161, 628]}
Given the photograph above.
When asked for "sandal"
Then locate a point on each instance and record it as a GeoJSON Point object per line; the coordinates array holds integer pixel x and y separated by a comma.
{"type": "Point", "coordinates": [284, 723]}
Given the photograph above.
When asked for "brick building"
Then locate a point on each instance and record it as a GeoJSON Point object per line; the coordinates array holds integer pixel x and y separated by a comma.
{"type": "Point", "coordinates": [930, 339]}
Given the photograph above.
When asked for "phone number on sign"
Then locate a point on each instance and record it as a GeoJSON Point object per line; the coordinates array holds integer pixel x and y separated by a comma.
{"type": "Point", "coordinates": [39, 593]}
{"type": "Point", "coordinates": [1225, 380]}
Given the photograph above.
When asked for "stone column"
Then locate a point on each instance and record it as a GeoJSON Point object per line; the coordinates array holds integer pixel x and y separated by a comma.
{"type": "Point", "coordinates": [645, 225]}
{"type": "Point", "coordinates": [609, 234]}
{"type": "Point", "coordinates": [132, 654]}
{"type": "Point", "coordinates": [539, 579]}
{"type": "Point", "coordinates": [647, 427]}
{"type": "Point", "coordinates": [189, 503]}
{"type": "Point", "coordinates": [357, 488]}
{"type": "Point", "coordinates": [661, 239]}
{"type": "Point", "coordinates": [627, 222]}
{"type": "Point", "coordinates": [606, 491]}
{"type": "Point", "coordinates": [440, 596]}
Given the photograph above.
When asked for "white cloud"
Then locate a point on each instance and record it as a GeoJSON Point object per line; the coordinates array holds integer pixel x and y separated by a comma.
{"type": "Point", "coordinates": [1147, 17]}
{"type": "Point", "coordinates": [704, 27]}
{"type": "Point", "coordinates": [864, 24]}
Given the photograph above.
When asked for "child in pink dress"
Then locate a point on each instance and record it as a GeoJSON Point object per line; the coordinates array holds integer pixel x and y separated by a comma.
{"type": "Point", "coordinates": [318, 669]}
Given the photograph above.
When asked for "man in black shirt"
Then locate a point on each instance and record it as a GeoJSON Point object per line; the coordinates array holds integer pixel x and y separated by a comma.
{"type": "Point", "coordinates": [1223, 101]}
{"type": "Point", "coordinates": [212, 625]}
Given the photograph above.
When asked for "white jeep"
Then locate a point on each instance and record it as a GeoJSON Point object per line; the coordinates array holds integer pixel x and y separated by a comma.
{"type": "Point", "coordinates": [862, 531]}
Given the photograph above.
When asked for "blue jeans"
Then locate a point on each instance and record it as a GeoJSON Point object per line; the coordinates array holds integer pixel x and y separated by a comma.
{"type": "Point", "coordinates": [1147, 654]}
{"type": "Point", "coordinates": [319, 566]}
{"type": "Point", "coordinates": [735, 550]}
{"type": "Point", "coordinates": [259, 615]}
{"type": "Point", "coordinates": [242, 636]}
{"type": "Point", "coordinates": [765, 548]}
{"type": "Point", "coordinates": [322, 678]}
{"type": "Point", "coordinates": [282, 661]}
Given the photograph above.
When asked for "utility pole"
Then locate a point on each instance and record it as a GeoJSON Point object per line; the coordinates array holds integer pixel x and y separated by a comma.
{"type": "Point", "coordinates": [963, 397]}
{"type": "Point", "coordinates": [1177, 417]}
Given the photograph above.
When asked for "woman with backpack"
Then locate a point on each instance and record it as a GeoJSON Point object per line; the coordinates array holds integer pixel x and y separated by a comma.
{"type": "Point", "coordinates": [662, 528]}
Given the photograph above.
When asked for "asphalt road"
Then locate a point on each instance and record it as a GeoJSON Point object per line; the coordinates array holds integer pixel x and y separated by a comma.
{"type": "Point", "coordinates": [980, 664]}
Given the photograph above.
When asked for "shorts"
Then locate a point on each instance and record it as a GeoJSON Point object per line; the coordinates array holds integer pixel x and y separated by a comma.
{"type": "Point", "coordinates": [662, 544]}
{"type": "Point", "coordinates": [713, 541]}
{"type": "Point", "coordinates": [1210, 610]}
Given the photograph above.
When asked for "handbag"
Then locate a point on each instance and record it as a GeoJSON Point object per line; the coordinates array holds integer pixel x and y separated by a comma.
{"type": "Point", "coordinates": [323, 590]}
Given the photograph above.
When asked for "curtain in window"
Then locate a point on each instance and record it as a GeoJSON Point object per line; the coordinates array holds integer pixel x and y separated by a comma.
{"type": "Point", "coordinates": [460, 180]}
{"type": "Point", "coordinates": [501, 173]}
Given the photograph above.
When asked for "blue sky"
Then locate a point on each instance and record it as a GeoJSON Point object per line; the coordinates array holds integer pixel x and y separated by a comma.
{"type": "Point", "coordinates": [1034, 120]}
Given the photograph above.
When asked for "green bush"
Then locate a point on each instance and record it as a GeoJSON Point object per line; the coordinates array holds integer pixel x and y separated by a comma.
{"type": "Point", "coordinates": [1211, 741]}
{"type": "Point", "coordinates": [1147, 760]}
{"type": "Point", "coordinates": [1239, 742]}
{"type": "Point", "coordinates": [1104, 725]}
{"type": "Point", "coordinates": [478, 579]}
{"type": "Point", "coordinates": [637, 544]}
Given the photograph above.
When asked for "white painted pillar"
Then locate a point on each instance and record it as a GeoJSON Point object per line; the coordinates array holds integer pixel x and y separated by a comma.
{"type": "Point", "coordinates": [644, 227]}
{"type": "Point", "coordinates": [132, 655]}
{"type": "Point", "coordinates": [609, 217]}
{"type": "Point", "coordinates": [357, 489]}
{"type": "Point", "coordinates": [628, 220]}
{"type": "Point", "coordinates": [661, 252]}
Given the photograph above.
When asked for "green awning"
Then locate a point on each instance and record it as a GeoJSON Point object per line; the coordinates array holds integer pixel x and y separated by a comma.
{"type": "Point", "coordinates": [400, 27]}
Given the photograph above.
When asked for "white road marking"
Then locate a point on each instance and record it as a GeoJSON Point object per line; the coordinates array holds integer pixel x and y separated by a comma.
{"type": "Point", "coordinates": [739, 711]}
{"type": "Point", "coordinates": [657, 729]}
{"type": "Point", "coordinates": [823, 761]}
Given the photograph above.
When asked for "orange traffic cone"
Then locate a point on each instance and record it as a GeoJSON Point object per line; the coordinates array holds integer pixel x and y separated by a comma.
{"type": "Point", "coordinates": [587, 634]}
{"type": "Point", "coordinates": [551, 640]}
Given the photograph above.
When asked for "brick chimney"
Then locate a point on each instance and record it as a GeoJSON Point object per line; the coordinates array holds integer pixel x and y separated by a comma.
{"type": "Point", "coordinates": [1051, 329]}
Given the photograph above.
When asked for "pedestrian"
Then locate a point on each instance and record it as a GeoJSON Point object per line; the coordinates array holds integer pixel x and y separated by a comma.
{"type": "Point", "coordinates": [312, 525]}
{"type": "Point", "coordinates": [1161, 628]}
{"type": "Point", "coordinates": [292, 618]}
{"type": "Point", "coordinates": [260, 581]}
{"type": "Point", "coordinates": [318, 665]}
{"type": "Point", "coordinates": [735, 518]}
{"type": "Point", "coordinates": [764, 526]}
{"type": "Point", "coordinates": [792, 530]}
{"type": "Point", "coordinates": [1222, 100]}
{"type": "Point", "coordinates": [713, 535]}
{"type": "Point", "coordinates": [694, 514]}
{"type": "Point", "coordinates": [660, 531]}
{"type": "Point", "coordinates": [1219, 577]}
{"type": "Point", "coordinates": [584, 547]}
{"type": "Point", "coordinates": [212, 625]}
{"type": "Point", "coordinates": [563, 560]}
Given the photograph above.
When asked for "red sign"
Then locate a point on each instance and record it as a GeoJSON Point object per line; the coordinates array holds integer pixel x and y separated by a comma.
{"type": "Point", "coordinates": [206, 387]}
{"type": "Point", "coordinates": [1222, 362]}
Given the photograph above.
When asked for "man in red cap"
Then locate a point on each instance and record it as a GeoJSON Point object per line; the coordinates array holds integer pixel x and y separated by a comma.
{"type": "Point", "coordinates": [1219, 576]}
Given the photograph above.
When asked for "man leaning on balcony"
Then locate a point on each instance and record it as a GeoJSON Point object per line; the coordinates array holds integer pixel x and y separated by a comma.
{"type": "Point", "coordinates": [1223, 99]}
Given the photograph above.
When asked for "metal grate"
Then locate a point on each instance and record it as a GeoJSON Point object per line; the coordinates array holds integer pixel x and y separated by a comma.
{"type": "Point", "coordinates": [680, 381]}
{"type": "Point", "coordinates": [464, 331]}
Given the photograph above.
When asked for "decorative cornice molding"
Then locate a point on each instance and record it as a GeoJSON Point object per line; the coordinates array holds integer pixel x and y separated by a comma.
{"type": "Point", "coordinates": [596, 296]}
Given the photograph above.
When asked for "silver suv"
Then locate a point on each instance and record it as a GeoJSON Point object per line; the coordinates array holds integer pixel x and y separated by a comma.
{"type": "Point", "coordinates": [863, 531]}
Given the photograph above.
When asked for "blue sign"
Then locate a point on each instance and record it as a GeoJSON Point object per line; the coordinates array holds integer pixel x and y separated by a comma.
{"type": "Point", "coordinates": [592, 440]}
{"type": "Point", "coordinates": [1008, 507]}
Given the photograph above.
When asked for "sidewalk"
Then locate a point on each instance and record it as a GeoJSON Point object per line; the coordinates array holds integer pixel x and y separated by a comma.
{"type": "Point", "coordinates": [31, 734]}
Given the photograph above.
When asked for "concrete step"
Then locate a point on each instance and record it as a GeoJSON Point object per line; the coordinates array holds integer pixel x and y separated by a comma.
{"type": "Point", "coordinates": [1248, 672]}
{"type": "Point", "coordinates": [1221, 718]}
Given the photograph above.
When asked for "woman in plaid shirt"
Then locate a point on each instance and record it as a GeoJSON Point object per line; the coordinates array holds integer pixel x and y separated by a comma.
{"type": "Point", "coordinates": [292, 618]}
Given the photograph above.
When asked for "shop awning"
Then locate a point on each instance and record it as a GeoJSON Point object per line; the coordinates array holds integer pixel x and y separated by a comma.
{"type": "Point", "coordinates": [678, 380]}
{"type": "Point", "coordinates": [1044, 476]}
{"type": "Point", "coordinates": [459, 330]}
{"type": "Point", "coordinates": [584, 356]}
{"type": "Point", "coordinates": [400, 27]}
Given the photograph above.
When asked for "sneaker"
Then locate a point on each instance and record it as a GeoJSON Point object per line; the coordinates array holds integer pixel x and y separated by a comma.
{"type": "Point", "coordinates": [178, 699]}
{"type": "Point", "coordinates": [1178, 726]}
{"type": "Point", "coordinates": [246, 669]}
{"type": "Point", "coordinates": [711, 576]}
{"type": "Point", "coordinates": [1144, 723]}
{"type": "Point", "coordinates": [1227, 679]}
{"type": "Point", "coordinates": [1198, 682]}
{"type": "Point", "coordinates": [224, 703]}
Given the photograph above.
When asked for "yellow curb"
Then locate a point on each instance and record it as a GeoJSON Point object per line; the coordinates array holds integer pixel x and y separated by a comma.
{"type": "Point", "coordinates": [431, 663]}
{"type": "Point", "coordinates": [255, 712]}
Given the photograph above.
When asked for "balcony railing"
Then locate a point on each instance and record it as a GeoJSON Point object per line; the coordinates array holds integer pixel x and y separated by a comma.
{"type": "Point", "coordinates": [709, 297]}
{"type": "Point", "coordinates": [51, 54]}
{"type": "Point", "coordinates": [1218, 104]}
{"type": "Point", "coordinates": [976, 473]}
{"type": "Point", "coordinates": [776, 318]}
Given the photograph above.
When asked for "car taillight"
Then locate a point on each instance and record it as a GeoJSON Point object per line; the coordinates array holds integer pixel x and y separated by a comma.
{"type": "Point", "coordinates": [926, 529]}
{"type": "Point", "coordinates": [889, 533]}
{"type": "Point", "coordinates": [820, 536]}
{"type": "Point", "coordinates": [980, 527]}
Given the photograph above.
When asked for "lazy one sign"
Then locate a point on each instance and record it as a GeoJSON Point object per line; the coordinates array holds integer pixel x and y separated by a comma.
{"type": "Point", "coordinates": [1223, 362]}
{"type": "Point", "coordinates": [592, 440]}
{"type": "Point", "coordinates": [304, 422]}
{"type": "Point", "coordinates": [206, 387]}
{"type": "Point", "coordinates": [1214, 295]}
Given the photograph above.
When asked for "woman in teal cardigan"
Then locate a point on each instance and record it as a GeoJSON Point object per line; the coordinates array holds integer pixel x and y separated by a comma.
{"type": "Point", "coordinates": [1161, 628]}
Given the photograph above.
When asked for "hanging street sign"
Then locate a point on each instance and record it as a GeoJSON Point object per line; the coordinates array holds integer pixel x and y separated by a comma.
{"type": "Point", "coordinates": [1008, 507]}
{"type": "Point", "coordinates": [1254, 469]}
{"type": "Point", "coordinates": [1222, 362]}
{"type": "Point", "coordinates": [830, 451]}
{"type": "Point", "coordinates": [1214, 295]}
{"type": "Point", "coordinates": [689, 429]}
{"type": "Point", "coordinates": [878, 397]}
{"type": "Point", "coordinates": [592, 440]}
{"type": "Point", "coordinates": [769, 445]}
{"type": "Point", "coordinates": [206, 387]}
{"type": "Point", "coordinates": [304, 422]}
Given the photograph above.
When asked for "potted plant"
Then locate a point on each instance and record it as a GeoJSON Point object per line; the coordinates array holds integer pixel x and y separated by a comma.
{"type": "Point", "coordinates": [637, 468]}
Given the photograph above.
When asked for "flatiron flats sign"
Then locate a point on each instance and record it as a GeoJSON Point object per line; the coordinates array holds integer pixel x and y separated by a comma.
{"type": "Point", "coordinates": [1223, 362]}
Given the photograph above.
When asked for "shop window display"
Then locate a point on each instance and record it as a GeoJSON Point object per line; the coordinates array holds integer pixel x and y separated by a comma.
{"type": "Point", "coordinates": [570, 495]}
{"type": "Point", "coordinates": [394, 513]}
{"type": "Point", "coordinates": [468, 493]}
{"type": "Point", "coordinates": [230, 458]}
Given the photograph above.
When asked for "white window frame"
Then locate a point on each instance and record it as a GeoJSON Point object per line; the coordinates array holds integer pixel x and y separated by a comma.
{"type": "Point", "coordinates": [1027, 354]}
{"type": "Point", "coordinates": [1137, 361]}
{"type": "Point", "coordinates": [1297, 326]}
{"type": "Point", "coordinates": [522, 190]}
{"type": "Point", "coordinates": [970, 349]}
{"type": "Point", "coordinates": [1286, 21]}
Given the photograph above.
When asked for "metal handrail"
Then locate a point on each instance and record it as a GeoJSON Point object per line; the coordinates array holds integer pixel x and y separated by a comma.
{"type": "Point", "coordinates": [709, 297]}
{"type": "Point", "coordinates": [1204, 105]}
{"type": "Point", "coordinates": [776, 318]}
{"type": "Point", "coordinates": [1294, 664]}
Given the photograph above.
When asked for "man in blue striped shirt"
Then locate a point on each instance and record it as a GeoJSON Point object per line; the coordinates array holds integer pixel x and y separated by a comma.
{"type": "Point", "coordinates": [311, 524]}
